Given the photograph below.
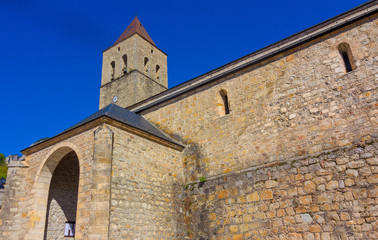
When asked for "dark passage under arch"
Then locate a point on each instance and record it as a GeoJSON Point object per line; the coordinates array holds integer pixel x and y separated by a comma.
{"type": "Point", "coordinates": [62, 199]}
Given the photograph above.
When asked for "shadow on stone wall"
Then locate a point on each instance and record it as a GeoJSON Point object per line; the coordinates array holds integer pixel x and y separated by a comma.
{"type": "Point", "coordinates": [62, 200]}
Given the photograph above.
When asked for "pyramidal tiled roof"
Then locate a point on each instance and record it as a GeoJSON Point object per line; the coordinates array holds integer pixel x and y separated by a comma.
{"type": "Point", "coordinates": [135, 27]}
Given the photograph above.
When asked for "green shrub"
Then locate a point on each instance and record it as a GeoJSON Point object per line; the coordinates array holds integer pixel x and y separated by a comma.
{"type": "Point", "coordinates": [3, 170]}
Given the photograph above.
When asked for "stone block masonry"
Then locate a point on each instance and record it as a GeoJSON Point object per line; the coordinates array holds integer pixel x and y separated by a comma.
{"type": "Point", "coordinates": [332, 195]}
{"type": "Point", "coordinates": [280, 144]}
{"type": "Point", "coordinates": [146, 192]}
{"type": "Point", "coordinates": [289, 105]}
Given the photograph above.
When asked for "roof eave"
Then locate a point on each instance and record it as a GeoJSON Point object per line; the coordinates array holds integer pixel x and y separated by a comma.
{"type": "Point", "coordinates": [266, 52]}
{"type": "Point", "coordinates": [94, 123]}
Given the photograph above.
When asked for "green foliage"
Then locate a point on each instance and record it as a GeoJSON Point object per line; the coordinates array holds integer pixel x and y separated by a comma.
{"type": "Point", "coordinates": [2, 158]}
{"type": "Point", "coordinates": [3, 166]}
{"type": "Point", "coordinates": [202, 179]}
{"type": "Point", "coordinates": [3, 171]}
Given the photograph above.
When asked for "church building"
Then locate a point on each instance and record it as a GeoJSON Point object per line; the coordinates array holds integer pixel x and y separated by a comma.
{"type": "Point", "coordinates": [278, 144]}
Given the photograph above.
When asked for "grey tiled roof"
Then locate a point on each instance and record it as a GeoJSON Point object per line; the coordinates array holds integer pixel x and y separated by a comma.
{"type": "Point", "coordinates": [127, 117]}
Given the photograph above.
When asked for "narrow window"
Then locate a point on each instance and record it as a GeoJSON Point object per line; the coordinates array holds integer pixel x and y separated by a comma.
{"type": "Point", "coordinates": [347, 56]}
{"type": "Point", "coordinates": [157, 71]}
{"type": "Point", "coordinates": [226, 105]}
{"type": "Point", "coordinates": [124, 69]}
{"type": "Point", "coordinates": [112, 64]}
{"type": "Point", "coordinates": [146, 60]}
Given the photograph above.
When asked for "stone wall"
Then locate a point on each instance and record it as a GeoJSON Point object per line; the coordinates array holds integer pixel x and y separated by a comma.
{"type": "Point", "coordinates": [131, 88]}
{"type": "Point", "coordinates": [26, 199]}
{"type": "Point", "coordinates": [62, 200]}
{"type": "Point", "coordinates": [146, 189]}
{"type": "Point", "coordinates": [331, 195]}
{"type": "Point", "coordinates": [11, 224]}
{"type": "Point", "coordinates": [293, 104]}
{"type": "Point", "coordinates": [13, 157]}
{"type": "Point", "coordinates": [136, 49]}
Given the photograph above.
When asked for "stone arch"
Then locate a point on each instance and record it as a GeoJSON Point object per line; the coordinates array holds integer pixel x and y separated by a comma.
{"type": "Point", "coordinates": [41, 187]}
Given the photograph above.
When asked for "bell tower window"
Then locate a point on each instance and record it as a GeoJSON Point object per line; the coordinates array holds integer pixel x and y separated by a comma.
{"type": "Point", "coordinates": [124, 69]}
{"type": "Point", "coordinates": [112, 64]}
{"type": "Point", "coordinates": [157, 72]}
{"type": "Point", "coordinates": [347, 56]}
{"type": "Point", "coordinates": [146, 60]}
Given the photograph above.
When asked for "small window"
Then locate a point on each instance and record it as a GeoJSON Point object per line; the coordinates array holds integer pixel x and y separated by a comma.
{"type": "Point", "coordinates": [223, 94]}
{"type": "Point", "coordinates": [124, 69]}
{"type": "Point", "coordinates": [347, 56]}
{"type": "Point", "coordinates": [112, 64]}
{"type": "Point", "coordinates": [146, 60]}
{"type": "Point", "coordinates": [157, 71]}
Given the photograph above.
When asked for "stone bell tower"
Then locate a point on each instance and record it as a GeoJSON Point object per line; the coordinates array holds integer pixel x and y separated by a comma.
{"type": "Point", "coordinates": [133, 68]}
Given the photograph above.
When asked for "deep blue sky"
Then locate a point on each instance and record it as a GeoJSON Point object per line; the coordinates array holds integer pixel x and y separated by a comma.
{"type": "Point", "coordinates": [51, 51]}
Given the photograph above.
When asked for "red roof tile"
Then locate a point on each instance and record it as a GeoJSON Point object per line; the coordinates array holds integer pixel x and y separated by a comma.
{"type": "Point", "coordinates": [135, 27]}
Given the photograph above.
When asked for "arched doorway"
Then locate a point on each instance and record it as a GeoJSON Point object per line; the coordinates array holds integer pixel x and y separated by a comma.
{"type": "Point", "coordinates": [62, 198]}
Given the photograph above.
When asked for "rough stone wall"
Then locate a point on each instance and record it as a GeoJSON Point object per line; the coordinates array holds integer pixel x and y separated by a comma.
{"type": "Point", "coordinates": [62, 200]}
{"type": "Point", "coordinates": [21, 197]}
{"type": "Point", "coordinates": [10, 158]}
{"type": "Point", "coordinates": [11, 225]}
{"type": "Point", "coordinates": [331, 195]}
{"type": "Point", "coordinates": [130, 88]}
{"type": "Point", "coordinates": [146, 189]}
{"type": "Point", "coordinates": [101, 183]}
{"type": "Point", "coordinates": [294, 104]}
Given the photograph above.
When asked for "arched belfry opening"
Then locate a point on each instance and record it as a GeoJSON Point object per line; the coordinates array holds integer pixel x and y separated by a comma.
{"type": "Point", "coordinates": [146, 60]}
{"type": "Point", "coordinates": [62, 199]}
{"type": "Point", "coordinates": [112, 64]}
{"type": "Point", "coordinates": [124, 69]}
{"type": "Point", "coordinates": [157, 72]}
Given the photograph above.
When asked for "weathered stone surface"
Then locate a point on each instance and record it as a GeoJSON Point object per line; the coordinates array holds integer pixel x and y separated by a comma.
{"type": "Point", "coordinates": [294, 204]}
{"type": "Point", "coordinates": [132, 79]}
{"type": "Point", "coordinates": [294, 158]}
